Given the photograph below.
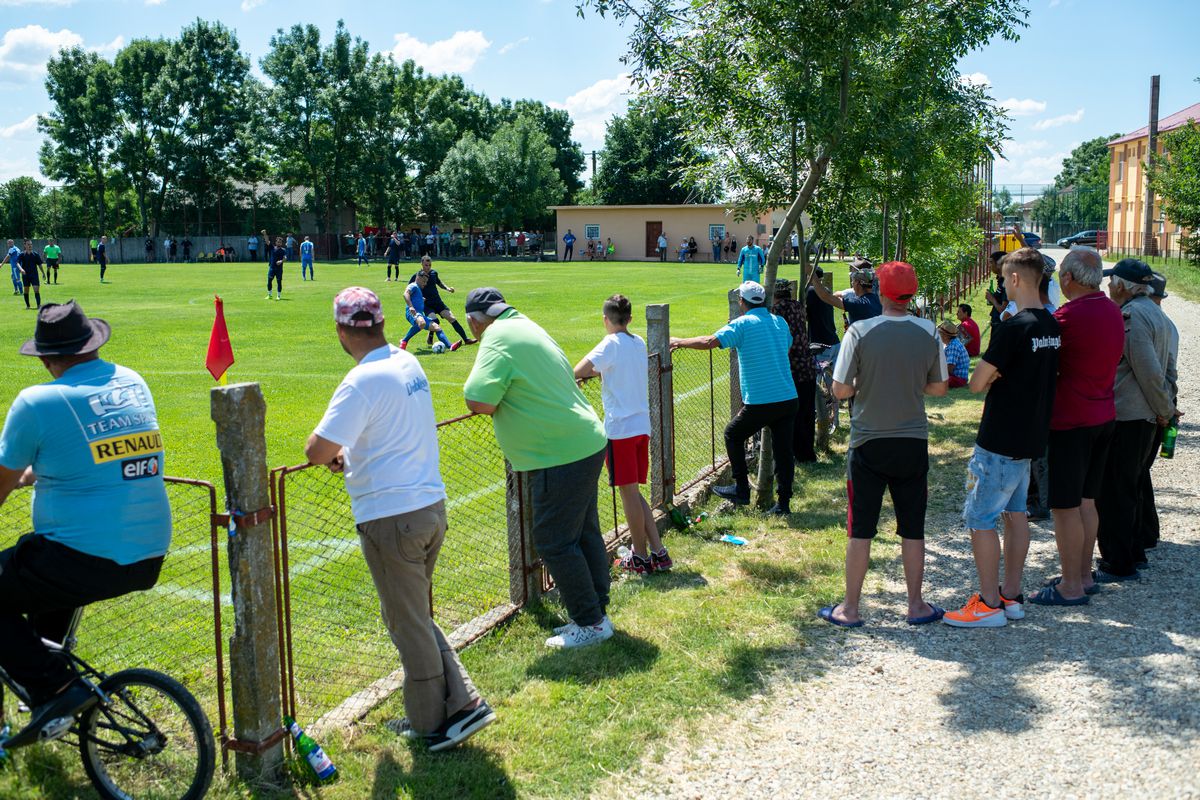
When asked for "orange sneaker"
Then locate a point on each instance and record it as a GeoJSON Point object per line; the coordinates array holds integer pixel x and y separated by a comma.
{"type": "Point", "coordinates": [976, 614]}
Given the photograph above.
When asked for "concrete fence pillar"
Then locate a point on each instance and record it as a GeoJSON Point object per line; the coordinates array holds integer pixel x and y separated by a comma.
{"type": "Point", "coordinates": [661, 387]}
{"type": "Point", "coordinates": [524, 582]}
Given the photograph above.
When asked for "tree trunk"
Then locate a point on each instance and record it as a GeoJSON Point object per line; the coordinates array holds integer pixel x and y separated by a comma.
{"type": "Point", "coordinates": [885, 216]}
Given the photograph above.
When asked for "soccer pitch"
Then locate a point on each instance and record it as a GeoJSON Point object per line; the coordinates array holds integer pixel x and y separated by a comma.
{"type": "Point", "coordinates": [161, 317]}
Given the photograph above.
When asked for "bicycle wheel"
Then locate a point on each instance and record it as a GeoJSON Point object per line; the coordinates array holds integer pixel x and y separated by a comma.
{"type": "Point", "coordinates": [151, 741]}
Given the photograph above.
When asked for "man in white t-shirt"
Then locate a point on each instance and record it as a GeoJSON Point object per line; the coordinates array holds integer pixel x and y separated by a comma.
{"type": "Point", "coordinates": [380, 432]}
{"type": "Point", "coordinates": [662, 246]}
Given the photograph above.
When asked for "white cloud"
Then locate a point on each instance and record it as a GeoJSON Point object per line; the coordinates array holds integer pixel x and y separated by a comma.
{"type": "Point", "coordinates": [250, 5]}
{"type": "Point", "coordinates": [155, 2]}
{"type": "Point", "coordinates": [976, 79]}
{"type": "Point", "coordinates": [459, 53]}
{"type": "Point", "coordinates": [1023, 149]}
{"type": "Point", "coordinates": [1059, 121]}
{"type": "Point", "coordinates": [591, 108]}
{"type": "Point", "coordinates": [1022, 108]}
{"type": "Point", "coordinates": [24, 51]}
{"type": "Point", "coordinates": [112, 47]}
{"type": "Point", "coordinates": [20, 129]}
{"type": "Point", "coordinates": [508, 48]}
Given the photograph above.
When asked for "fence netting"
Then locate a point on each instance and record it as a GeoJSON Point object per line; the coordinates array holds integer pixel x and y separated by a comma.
{"type": "Point", "coordinates": [174, 627]}
{"type": "Point", "coordinates": [701, 394]}
{"type": "Point", "coordinates": [342, 661]}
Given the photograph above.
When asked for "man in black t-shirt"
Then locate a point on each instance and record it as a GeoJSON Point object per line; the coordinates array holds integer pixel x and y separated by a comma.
{"type": "Point", "coordinates": [821, 329]}
{"type": "Point", "coordinates": [998, 299]}
{"type": "Point", "coordinates": [1019, 372]}
{"type": "Point", "coordinates": [30, 262]}
{"type": "Point", "coordinates": [394, 246]}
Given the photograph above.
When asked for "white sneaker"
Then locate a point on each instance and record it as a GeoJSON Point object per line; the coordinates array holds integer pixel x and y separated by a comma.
{"type": "Point", "coordinates": [577, 636]}
{"type": "Point", "coordinates": [268, 295]}
{"type": "Point", "coordinates": [1014, 609]}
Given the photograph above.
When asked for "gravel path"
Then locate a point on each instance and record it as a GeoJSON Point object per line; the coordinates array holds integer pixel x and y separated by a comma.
{"type": "Point", "coordinates": [1102, 701]}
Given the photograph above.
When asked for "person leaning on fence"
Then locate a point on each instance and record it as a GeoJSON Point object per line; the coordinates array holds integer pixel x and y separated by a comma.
{"type": "Point", "coordinates": [1148, 512]}
{"type": "Point", "coordinates": [548, 431]}
{"type": "Point", "coordinates": [762, 341]}
{"type": "Point", "coordinates": [804, 373]}
{"type": "Point", "coordinates": [1081, 425]}
{"type": "Point", "coordinates": [888, 364]}
{"type": "Point", "coordinates": [620, 361]}
{"type": "Point", "coordinates": [380, 432]}
{"type": "Point", "coordinates": [101, 523]}
{"type": "Point", "coordinates": [958, 363]}
{"type": "Point", "coordinates": [1143, 398]}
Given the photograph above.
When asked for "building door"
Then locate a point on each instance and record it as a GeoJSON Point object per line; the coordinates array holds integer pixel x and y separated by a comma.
{"type": "Point", "coordinates": [653, 231]}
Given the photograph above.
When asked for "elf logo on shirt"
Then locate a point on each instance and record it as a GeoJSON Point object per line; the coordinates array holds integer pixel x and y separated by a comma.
{"type": "Point", "coordinates": [1043, 342]}
{"type": "Point", "coordinates": [135, 468]}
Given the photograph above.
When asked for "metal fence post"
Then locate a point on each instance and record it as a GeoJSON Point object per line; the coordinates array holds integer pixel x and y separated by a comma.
{"type": "Point", "coordinates": [524, 581]}
{"type": "Point", "coordinates": [662, 404]}
{"type": "Point", "coordinates": [239, 412]}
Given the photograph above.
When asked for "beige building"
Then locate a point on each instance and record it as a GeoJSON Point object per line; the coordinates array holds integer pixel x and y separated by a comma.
{"type": "Point", "coordinates": [634, 230]}
{"type": "Point", "coordinates": [1127, 186]}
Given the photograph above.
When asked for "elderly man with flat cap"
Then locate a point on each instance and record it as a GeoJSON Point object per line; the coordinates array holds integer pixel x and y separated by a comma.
{"type": "Point", "coordinates": [88, 441]}
{"type": "Point", "coordinates": [549, 431]}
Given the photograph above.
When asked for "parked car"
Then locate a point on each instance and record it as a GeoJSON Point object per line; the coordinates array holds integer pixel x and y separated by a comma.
{"type": "Point", "coordinates": [1032, 239]}
{"type": "Point", "coordinates": [1082, 238]}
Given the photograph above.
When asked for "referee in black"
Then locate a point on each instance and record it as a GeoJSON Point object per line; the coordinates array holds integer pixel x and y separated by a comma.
{"type": "Point", "coordinates": [434, 304]}
{"type": "Point", "coordinates": [30, 262]}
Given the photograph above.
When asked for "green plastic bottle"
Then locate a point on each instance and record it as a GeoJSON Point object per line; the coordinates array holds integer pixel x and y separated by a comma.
{"type": "Point", "coordinates": [320, 763]}
{"type": "Point", "coordinates": [1169, 437]}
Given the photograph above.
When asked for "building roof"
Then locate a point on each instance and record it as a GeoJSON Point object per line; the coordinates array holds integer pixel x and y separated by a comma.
{"type": "Point", "coordinates": [1170, 123]}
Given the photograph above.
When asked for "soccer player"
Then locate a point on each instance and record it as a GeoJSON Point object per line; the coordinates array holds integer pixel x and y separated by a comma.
{"type": "Point", "coordinates": [751, 261]}
{"type": "Point", "coordinates": [13, 254]}
{"type": "Point", "coordinates": [30, 263]}
{"type": "Point", "coordinates": [102, 256]}
{"type": "Point", "coordinates": [568, 245]}
{"type": "Point", "coordinates": [275, 269]}
{"type": "Point", "coordinates": [362, 251]}
{"type": "Point", "coordinates": [434, 303]}
{"type": "Point", "coordinates": [395, 245]}
{"type": "Point", "coordinates": [414, 312]}
{"type": "Point", "coordinates": [53, 255]}
{"type": "Point", "coordinates": [306, 259]}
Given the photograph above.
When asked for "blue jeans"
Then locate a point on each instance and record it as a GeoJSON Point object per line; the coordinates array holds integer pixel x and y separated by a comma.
{"type": "Point", "coordinates": [995, 484]}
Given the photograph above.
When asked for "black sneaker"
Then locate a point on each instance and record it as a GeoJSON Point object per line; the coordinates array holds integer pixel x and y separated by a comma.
{"type": "Point", "coordinates": [779, 510]}
{"type": "Point", "coordinates": [732, 493]}
{"type": "Point", "coordinates": [460, 727]}
{"type": "Point", "coordinates": [53, 719]}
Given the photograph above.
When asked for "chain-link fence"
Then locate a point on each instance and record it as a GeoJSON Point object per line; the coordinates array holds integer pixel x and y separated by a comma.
{"type": "Point", "coordinates": [176, 626]}
{"type": "Point", "coordinates": [702, 407]}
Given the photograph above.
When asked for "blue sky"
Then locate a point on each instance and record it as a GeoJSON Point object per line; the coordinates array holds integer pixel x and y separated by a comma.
{"type": "Point", "coordinates": [1081, 70]}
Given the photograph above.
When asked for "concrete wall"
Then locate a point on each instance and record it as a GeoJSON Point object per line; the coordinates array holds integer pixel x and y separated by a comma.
{"type": "Point", "coordinates": [626, 226]}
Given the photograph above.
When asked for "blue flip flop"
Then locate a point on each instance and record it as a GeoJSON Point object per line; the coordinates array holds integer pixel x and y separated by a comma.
{"type": "Point", "coordinates": [938, 613]}
{"type": "Point", "coordinates": [1093, 589]}
{"type": "Point", "coordinates": [826, 614]}
{"type": "Point", "coordinates": [1050, 596]}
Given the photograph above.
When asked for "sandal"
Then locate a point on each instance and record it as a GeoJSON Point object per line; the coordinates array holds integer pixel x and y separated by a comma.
{"type": "Point", "coordinates": [1049, 596]}
{"type": "Point", "coordinates": [826, 614]}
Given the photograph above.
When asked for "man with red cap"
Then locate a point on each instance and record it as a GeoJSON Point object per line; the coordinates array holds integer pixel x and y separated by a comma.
{"type": "Point", "coordinates": [888, 364]}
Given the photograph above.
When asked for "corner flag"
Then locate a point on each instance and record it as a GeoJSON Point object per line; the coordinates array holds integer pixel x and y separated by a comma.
{"type": "Point", "coordinates": [220, 351]}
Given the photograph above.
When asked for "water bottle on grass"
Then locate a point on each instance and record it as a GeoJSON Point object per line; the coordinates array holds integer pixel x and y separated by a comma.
{"type": "Point", "coordinates": [321, 766]}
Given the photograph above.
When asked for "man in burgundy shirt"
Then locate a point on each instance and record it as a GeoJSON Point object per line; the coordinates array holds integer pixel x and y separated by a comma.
{"type": "Point", "coordinates": [1081, 426]}
{"type": "Point", "coordinates": [969, 328]}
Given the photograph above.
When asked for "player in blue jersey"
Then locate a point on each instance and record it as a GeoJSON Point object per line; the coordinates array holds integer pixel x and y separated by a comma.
{"type": "Point", "coordinates": [414, 312]}
{"type": "Point", "coordinates": [306, 259]}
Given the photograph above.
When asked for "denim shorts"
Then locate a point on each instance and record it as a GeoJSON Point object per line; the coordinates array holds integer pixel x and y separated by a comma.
{"type": "Point", "coordinates": [995, 484]}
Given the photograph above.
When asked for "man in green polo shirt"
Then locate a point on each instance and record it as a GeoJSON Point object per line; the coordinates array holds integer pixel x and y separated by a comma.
{"type": "Point", "coordinates": [548, 431]}
{"type": "Point", "coordinates": [53, 255]}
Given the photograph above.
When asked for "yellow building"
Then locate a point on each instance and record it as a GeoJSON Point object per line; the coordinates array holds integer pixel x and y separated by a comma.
{"type": "Point", "coordinates": [1127, 186]}
{"type": "Point", "coordinates": [634, 230]}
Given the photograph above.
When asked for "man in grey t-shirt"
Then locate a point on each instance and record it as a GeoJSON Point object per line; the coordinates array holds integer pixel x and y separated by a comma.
{"type": "Point", "coordinates": [888, 364]}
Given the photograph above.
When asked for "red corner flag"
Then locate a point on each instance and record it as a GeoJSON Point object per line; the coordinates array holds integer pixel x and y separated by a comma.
{"type": "Point", "coordinates": [220, 351]}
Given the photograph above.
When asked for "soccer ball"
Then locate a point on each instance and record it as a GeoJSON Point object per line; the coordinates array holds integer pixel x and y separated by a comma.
{"type": "Point", "coordinates": [439, 348]}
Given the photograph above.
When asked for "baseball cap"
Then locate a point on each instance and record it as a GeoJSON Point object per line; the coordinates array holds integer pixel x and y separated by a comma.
{"type": "Point", "coordinates": [897, 281]}
{"type": "Point", "coordinates": [752, 292]}
{"type": "Point", "coordinates": [1132, 270]}
{"type": "Point", "coordinates": [488, 300]}
{"type": "Point", "coordinates": [350, 305]}
{"type": "Point", "coordinates": [1158, 285]}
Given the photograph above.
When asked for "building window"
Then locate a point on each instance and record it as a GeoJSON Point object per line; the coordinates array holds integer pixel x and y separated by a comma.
{"type": "Point", "coordinates": [591, 231]}
{"type": "Point", "coordinates": [1120, 166]}
{"type": "Point", "coordinates": [716, 232]}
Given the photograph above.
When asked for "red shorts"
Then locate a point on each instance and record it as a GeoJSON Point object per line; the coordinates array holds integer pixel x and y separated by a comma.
{"type": "Point", "coordinates": [628, 460]}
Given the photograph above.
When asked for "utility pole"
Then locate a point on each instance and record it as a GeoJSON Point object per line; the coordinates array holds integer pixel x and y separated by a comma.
{"type": "Point", "coordinates": [1149, 243]}
{"type": "Point", "coordinates": [593, 165]}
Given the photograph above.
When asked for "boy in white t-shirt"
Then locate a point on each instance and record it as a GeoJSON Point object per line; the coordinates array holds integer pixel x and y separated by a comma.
{"type": "Point", "coordinates": [621, 363]}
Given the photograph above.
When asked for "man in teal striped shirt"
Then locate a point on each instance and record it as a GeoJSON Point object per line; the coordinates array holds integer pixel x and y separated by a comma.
{"type": "Point", "coordinates": [761, 340]}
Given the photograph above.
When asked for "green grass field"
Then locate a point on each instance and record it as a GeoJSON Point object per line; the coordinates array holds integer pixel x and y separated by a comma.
{"type": "Point", "coordinates": [161, 316]}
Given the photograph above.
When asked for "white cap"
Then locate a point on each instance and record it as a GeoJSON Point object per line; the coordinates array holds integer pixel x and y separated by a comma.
{"type": "Point", "coordinates": [752, 292]}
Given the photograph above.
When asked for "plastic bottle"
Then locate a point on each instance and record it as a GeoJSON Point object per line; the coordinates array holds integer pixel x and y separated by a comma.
{"type": "Point", "coordinates": [623, 552]}
{"type": "Point", "coordinates": [678, 519]}
{"type": "Point", "coordinates": [321, 766]}
{"type": "Point", "coordinates": [1169, 437]}
{"type": "Point", "coordinates": [703, 515]}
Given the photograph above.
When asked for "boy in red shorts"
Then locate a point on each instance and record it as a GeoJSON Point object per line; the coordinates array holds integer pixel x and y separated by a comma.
{"type": "Point", "coordinates": [621, 363]}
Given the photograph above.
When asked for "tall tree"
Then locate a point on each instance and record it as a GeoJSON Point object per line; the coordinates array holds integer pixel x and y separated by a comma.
{"type": "Point", "coordinates": [21, 207]}
{"type": "Point", "coordinates": [646, 153]}
{"type": "Point", "coordinates": [466, 181]}
{"type": "Point", "coordinates": [148, 124]}
{"type": "Point", "coordinates": [81, 127]}
{"type": "Point", "coordinates": [525, 180]}
{"type": "Point", "coordinates": [558, 127]}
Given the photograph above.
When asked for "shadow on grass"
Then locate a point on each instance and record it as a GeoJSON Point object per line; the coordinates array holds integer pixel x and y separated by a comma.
{"type": "Point", "coordinates": [465, 771]}
{"type": "Point", "coordinates": [748, 669]}
{"type": "Point", "coordinates": [53, 769]}
{"type": "Point", "coordinates": [771, 576]}
{"type": "Point", "coordinates": [673, 580]}
{"type": "Point", "coordinates": [621, 654]}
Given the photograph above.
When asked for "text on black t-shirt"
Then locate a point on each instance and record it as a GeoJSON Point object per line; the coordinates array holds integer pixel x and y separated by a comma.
{"type": "Point", "coordinates": [1016, 411]}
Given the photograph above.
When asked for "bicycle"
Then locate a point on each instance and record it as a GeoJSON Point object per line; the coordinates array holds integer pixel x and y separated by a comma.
{"type": "Point", "coordinates": [144, 737]}
{"type": "Point", "coordinates": [827, 406]}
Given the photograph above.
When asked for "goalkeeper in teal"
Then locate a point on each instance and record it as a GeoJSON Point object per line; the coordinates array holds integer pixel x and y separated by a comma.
{"type": "Point", "coordinates": [306, 259]}
{"type": "Point", "coordinates": [414, 312]}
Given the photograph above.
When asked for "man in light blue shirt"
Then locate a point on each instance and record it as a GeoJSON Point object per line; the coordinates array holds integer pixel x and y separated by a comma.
{"type": "Point", "coordinates": [761, 340]}
{"type": "Point", "coordinates": [89, 443]}
{"type": "Point", "coordinates": [306, 259]}
{"type": "Point", "coordinates": [751, 261]}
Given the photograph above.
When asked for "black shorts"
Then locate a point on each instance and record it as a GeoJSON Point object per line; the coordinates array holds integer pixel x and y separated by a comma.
{"type": "Point", "coordinates": [52, 263]}
{"type": "Point", "coordinates": [30, 277]}
{"type": "Point", "coordinates": [435, 305]}
{"type": "Point", "coordinates": [902, 467]}
{"type": "Point", "coordinates": [1076, 463]}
